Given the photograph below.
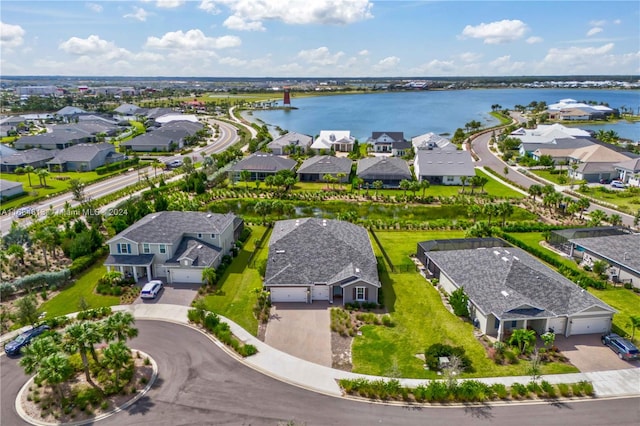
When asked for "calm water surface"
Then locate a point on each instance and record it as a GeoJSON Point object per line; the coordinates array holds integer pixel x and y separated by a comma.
{"type": "Point", "coordinates": [440, 112]}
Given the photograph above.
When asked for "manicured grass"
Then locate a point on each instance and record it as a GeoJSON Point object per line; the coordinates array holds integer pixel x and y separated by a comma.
{"type": "Point", "coordinates": [533, 239]}
{"type": "Point", "coordinates": [626, 302]}
{"type": "Point", "coordinates": [627, 200]}
{"type": "Point", "coordinates": [236, 294]}
{"type": "Point", "coordinates": [546, 174]}
{"type": "Point", "coordinates": [399, 245]}
{"type": "Point", "coordinates": [422, 320]}
{"type": "Point", "coordinates": [67, 300]}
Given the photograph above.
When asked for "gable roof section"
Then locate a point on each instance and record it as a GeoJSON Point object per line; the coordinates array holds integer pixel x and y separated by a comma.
{"type": "Point", "coordinates": [383, 168]}
{"type": "Point", "coordinates": [29, 156]}
{"type": "Point", "coordinates": [621, 249]}
{"type": "Point", "coordinates": [127, 109]}
{"type": "Point", "coordinates": [394, 136]}
{"type": "Point", "coordinates": [310, 250]}
{"type": "Point", "coordinates": [328, 138]}
{"type": "Point", "coordinates": [166, 227]}
{"type": "Point", "coordinates": [263, 162]}
{"type": "Point", "coordinates": [200, 253]}
{"type": "Point", "coordinates": [598, 154]}
{"type": "Point", "coordinates": [501, 280]}
{"type": "Point", "coordinates": [291, 138]}
{"type": "Point", "coordinates": [326, 164]}
{"type": "Point", "coordinates": [632, 165]}
{"type": "Point", "coordinates": [438, 162]}
{"type": "Point", "coordinates": [431, 140]}
{"type": "Point", "coordinates": [6, 150]}
{"type": "Point", "coordinates": [81, 152]}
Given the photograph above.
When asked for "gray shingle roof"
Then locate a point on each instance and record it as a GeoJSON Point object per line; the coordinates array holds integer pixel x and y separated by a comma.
{"type": "Point", "coordinates": [383, 168]}
{"type": "Point", "coordinates": [81, 152]}
{"type": "Point", "coordinates": [395, 136]}
{"type": "Point", "coordinates": [28, 156]}
{"type": "Point", "coordinates": [559, 143]}
{"type": "Point", "coordinates": [167, 227]}
{"type": "Point", "coordinates": [326, 164]}
{"type": "Point", "coordinates": [632, 165]}
{"type": "Point", "coordinates": [128, 259]}
{"type": "Point", "coordinates": [263, 162]}
{"type": "Point", "coordinates": [506, 281]}
{"type": "Point", "coordinates": [6, 150]}
{"type": "Point", "coordinates": [621, 249]}
{"type": "Point", "coordinates": [199, 252]}
{"type": "Point", "coordinates": [8, 184]}
{"type": "Point", "coordinates": [438, 162]}
{"type": "Point", "coordinates": [311, 250]}
{"type": "Point", "coordinates": [291, 138]}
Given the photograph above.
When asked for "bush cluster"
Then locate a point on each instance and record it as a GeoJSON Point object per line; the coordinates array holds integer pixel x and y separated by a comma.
{"type": "Point", "coordinates": [437, 350]}
{"type": "Point", "coordinates": [211, 322]}
{"type": "Point", "coordinates": [94, 314]}
{"type": "Point", "coordinates": [41, 280]}
{"type": "Point", "coordinates": [341, 322]}
{"type": "Point", "coordinates": [117, 166]}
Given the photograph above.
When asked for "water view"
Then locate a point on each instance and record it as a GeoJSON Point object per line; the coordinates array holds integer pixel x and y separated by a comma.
{"type": "Point", "coordinates": [441, 112]}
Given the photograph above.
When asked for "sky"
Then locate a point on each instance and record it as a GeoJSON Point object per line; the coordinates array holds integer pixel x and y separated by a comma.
{"type": "Point", "coordinates": [319, 38]}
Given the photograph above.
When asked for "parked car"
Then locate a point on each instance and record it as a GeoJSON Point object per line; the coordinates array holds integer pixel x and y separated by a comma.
{"type": "Point", "coordinates": [604, 181]}
{"type": "Point", "coordinates": [151, 289]}
{"type": "Point", "coordinates": [174, 164]}
{"type": "Point", "coordinates": [15, 346]}
{"type": "Point", "coordinates": [624, 348]}
{"type": "Point", "coordinates": [617, 184]}
{"type": "Point", "coordinates": [24, 212]}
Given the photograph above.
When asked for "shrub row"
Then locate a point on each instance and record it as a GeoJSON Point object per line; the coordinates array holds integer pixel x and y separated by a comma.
{"type": "Point", "coordinates": [47, 280]}
{"type": "Point", "coordinates": [211, 322]}
{"type": "Point", "coordinates": [94, 314]}
{"type": "Point", "coordinates": [83, 263]}
{"type": "Point", "coordinates": [117, 166]}
{"type": "Point", "coordinates": [464, 391]}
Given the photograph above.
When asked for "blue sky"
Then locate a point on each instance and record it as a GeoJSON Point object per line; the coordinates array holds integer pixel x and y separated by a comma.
{"type": "Point", "coordinates": [316, 38]}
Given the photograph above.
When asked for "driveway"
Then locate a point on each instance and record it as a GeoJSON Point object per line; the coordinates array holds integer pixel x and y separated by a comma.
{"type": "Point", "coordinates": [589, 354]}
{"type": "Point", "coordinates": [174, 294]}
{"type": "Point", "coordinates": [302, 330]}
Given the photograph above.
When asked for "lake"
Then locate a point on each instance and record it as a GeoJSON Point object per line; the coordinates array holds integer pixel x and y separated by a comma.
{"type": "Point", "coordinates": [419, 112]}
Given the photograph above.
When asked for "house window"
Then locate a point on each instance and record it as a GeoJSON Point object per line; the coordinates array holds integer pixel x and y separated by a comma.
{"type": "Point", "coordinates": [213, 236]}
{"type": "Point", "coordinates": [124, 248]}
{"type": "Point", "coordinates": [145, 248]}
{"type": "Point", "coordinates": [360, 294]}
{"type": "Point", "coordinates": [199, 235]}
{"type": "Point", "coordinates": [496, 324]}
{"type": "Point", "coordinates": [163, 248]}
{"type": "Point", "coordinates": [514, 324]}
{"type": "Point", "coordinates": [449, 178]}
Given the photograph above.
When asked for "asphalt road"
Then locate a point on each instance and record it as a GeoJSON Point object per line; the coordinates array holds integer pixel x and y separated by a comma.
{"type": "Point", "coordinates": [226, 138]}
{"type": "Point", "coordinates": [487, 159]}
{"type": "Point", "coordinates": [200, 384]}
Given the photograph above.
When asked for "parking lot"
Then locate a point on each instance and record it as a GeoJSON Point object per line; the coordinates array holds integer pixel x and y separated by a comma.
{"type": "Point", "coordinates": [588, 353]}
{"type": "Point", "coordinates": [174, 294]}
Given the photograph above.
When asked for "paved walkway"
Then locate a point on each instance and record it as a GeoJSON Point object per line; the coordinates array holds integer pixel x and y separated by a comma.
{"type": "Point", "coordinates": [318, 378]}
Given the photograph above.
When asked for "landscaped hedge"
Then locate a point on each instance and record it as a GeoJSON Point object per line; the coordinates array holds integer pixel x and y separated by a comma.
{"type": "Point", "coordinates": [102, 170]}
{"type": "Point", "coordinates": [463, 391]}
{"type": "Point", "coordinates": [211, 322]}
{"type": "Point", "coordinates": [49, 280]}
{"type": "Point", "coordinates": [83, 263]}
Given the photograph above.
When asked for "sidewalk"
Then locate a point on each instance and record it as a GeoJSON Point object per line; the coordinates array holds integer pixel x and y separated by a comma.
{"type": "Point", "coordinates": [287, 368]}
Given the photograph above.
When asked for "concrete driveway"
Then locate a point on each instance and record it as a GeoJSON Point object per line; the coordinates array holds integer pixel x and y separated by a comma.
{"type": "Point", "coordinates": [589, 354]}
{"type": "Point", "coordinates": [302, 330]}
{"type": "Point", "coordinates": [174, 294]}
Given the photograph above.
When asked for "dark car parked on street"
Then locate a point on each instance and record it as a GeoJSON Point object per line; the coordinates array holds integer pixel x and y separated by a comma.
{"type": "Point", "coordinates": [15, 346]}
{"type": "Point", "coordinates": [624, 348]}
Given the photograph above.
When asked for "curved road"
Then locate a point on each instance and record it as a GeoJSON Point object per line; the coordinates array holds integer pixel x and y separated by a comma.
{"type": "Point", "coordinates": [227, 137]}
{"type": "Point", "coordinates": [480, 146]}
{"type": "Point", "coordinates": [200, 384]}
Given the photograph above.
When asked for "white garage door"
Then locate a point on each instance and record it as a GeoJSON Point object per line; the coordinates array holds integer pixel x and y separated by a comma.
{"type": "Point", "coordinates": [589, 325]}
{"type": "Point", "coordinates": [320, 292]}
{"type": "Point", "coordinates": [186, 276]}
{"type": "Point", "coordinates": [289, 294]}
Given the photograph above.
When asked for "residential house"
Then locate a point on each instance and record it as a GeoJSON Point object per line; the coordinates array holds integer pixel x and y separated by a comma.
{"type": "Point", "coordinates": [320, 259]}
{"type": "Point", "coordinates": [168, 118]}
{"type": "Point", "coordinates": [168, 137]}
{"type": "Point", "coordinates": [509, 289]}
{"type": "Point", "coordinates": [443, 167]}
{"type": "Point", "coordinates": [260, 165]}
{"type": "Point", "coordinates": [559, 149]}
{"type": "Point", "coordinates": [9, 189]}
{"type": "Point", "coordinates": [128, 109]}
{"type": "Point", "coordinates": [387, 142]}
{"type": "Point", "coordinates": [58, 137]}
{"type": "Point", "coordinates": [289, 143]}
{"type": "Point", "coordinates": [621, 252]}
{"type": "Point", "coordinates": [629, 171]}
{"type": "Point", "coordinates": [84, 157]}
{"type": "Point", "coordinates": [571, 110]}
{"type": "Point", "coordinates": [334, 140]}
{"type": "Point", "coordinates": [545, 133]}
{"type": "Point", "coordinates": [69, 111]}
{"type": "Point", "coordinates": [430, 141]}
{"type": "Point", "coordinates": [313, 169]}
{"type": "Point", "coordinates": [174, 246]}
{"type": "Point", "coordinates": [35, 157]}
{"type": "Point", "coordinates": [9, 125]}
{"type": "Point", "coordinates": [389, 170]}
{"type": "Point", "coordinates": [6, 150]}
{"type": "Point", "coordinates": [594, 163]}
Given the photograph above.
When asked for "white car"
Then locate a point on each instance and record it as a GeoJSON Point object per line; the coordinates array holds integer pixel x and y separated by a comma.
{"type": "Point", "coordinates": [617, 184]}
{"type": "Point", "coordinates": [151, 289]}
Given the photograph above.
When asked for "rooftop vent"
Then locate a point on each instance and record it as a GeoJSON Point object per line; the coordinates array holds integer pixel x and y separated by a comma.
{"type": "Point", "coordinates": [506, 259]}
{"type": "Point", "coordinates": [209, 215]}
{"type": "Point", "coordinates": [515, 258]}
{"type": "Point", "coordinates": [357, 270]}
{"type": "Point", "coordinates": [504, 293]}
{"type": "Point", "coordinates": [199, 246]}
{"type": "Point", "coordinates": [280, 251]}
{"type": "Point", "coordinates": [496, 252]}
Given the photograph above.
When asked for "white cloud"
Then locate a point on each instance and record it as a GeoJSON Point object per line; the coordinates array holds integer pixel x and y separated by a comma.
{"type": "Point", "coordinates": [469, 56]}
{"type": "Point", "coordinates": [435, 67]}
{"type": "Point", "coordinates": [239, 24]}
{"type": "Point", "coordinates": [93, 46]}
{"type": "Point", "coordinates": [534, 40]}
{"type": "Point", "coordinates": [209, 6]}
{"type": "Point", "coordinates": [497, 32]}
{"type": "Point", "coordinates": [504, 66]}
{"type": "Point", "coordinates": [363, 52]}
{"type": "Point", "coordinates": [617, 21]}
{"type": "Point", "coordinates": [166, 4]}
{"type": "Point", "coordinates": [336, 12]}
{"type": "Point", "coordinates": [576, 55]}
{"type": "Point", "coordinates": [11, 35]}
{"type": "Point", "coordinates": [387, 63]}
{"type": "Point", "coordinates": [320, 56]}
{"type": "Point", "coordinates": [192, 40]}
{"type": "Point", "coordinates": [594, 31]}
{"type": "Point", "coordinates": [95, 7]}
{"type": "Point", "coordinates": [138, 13]}
{"type": "Point", "coordinates": [599, 23]}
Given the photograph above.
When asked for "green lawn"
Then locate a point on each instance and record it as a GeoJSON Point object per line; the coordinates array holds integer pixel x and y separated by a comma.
{"type": "Point", "coordinates": [421, 320]}
{"type": "Point", "coordinates": [555, 178]}
{"type": "Point", "coordinates": [627, 200]}
{"type": "Point", "coordinates": [236, 295]}
{"type": "Point", "coordinates": [399, 245]}
{"type": "Point", "coordinates": [626, 302]}
{"type": "Point", "coordinates": [67, 300]}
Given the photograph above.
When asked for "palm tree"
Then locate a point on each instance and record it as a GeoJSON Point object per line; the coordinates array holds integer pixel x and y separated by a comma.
{"type": "Point", "coordinates": [474, 211]}
{"type": "Point", "coordinates": [209, 276]}
{"type": "Point", "coordinates": [505, 210]}
{"type": "Point", "coordinates": [463, 179]}
{"type": "Point", "coordinates": [523, 339]}
{"type": "Point", "coordinates": [42, 175]}
{"type": "Point", "coordinates": [46, 239]}
{"type": "Point", "coordinates": [357, 183]}
{"type": "Point", "coordinates": [490, 210]}
{"type": "Point", "coordinates": [535, 190]}
{"type": "Point", "coordinates": [615, 219]}
{"type": "Point", "coordinates": [635, 323]}
{"type": "Point", "coordinates": [55, 370]}
{"type": "Point", "coordinates": [424, 184]}
{"type": "Point", "coordinates": [377, 185]}
{"type": "Point", "coordinates": [404, 185]}
{"type": "Point", "coordinates": [596, 217]}
{"type": "Point", "coordinates": [117, 356]}
{"type": "Point", "coordinates": [28, 170]}
{"type": "Point", "coordinates": [245, 176]}
{"type": "Point", "coordinates": [77, 340]}
{"type": "Point", "coordinates": [120, 326]}
{"type": "Point", "coordinates": [156, 164]}
{"type": "Point", "coordinates": [18, 250]}
{"type": "Point", "coordinates": [36, 352]}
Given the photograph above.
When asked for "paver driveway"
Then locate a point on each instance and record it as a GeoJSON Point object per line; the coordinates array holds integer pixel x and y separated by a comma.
{"type": "Point", "coordinates": [302, 330]}
{"type": "Point", "coordinates": [589, 354]}
{"type": "Point", "coordinates": [174, 294]}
